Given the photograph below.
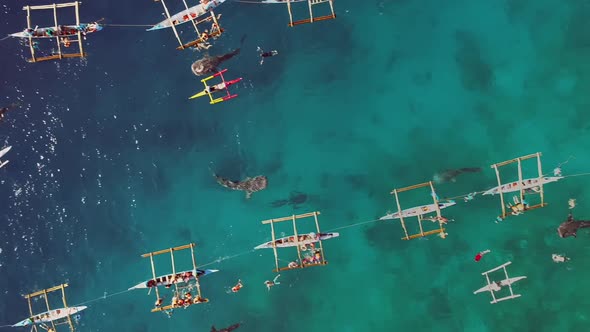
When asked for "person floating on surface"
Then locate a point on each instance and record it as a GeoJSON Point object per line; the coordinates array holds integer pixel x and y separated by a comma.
{"type": "Point", "coordinates": [237, 287]}
{"type": "Point", "coordinates": [559, 258]}
{"type": "Point", "coordinates": [272, 283]}
{"type": "Point", "coordinates": [572, 203]}
{"type": "Point", "coordinates": [265, 54]}
{"type": "Point", "coordinates": [480, 254]}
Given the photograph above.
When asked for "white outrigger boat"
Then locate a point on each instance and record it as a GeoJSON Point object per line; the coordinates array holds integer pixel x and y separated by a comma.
{"type": "Point", "coordinates": [524, 185]}
{"type": "Point", "coordinates": [2, 153]}
{"type": "Point", "coordinates": [170, 279]}
{"type": "Point", "coordinates": [50, 316]}
{"type": "Point", "coordinates": [60, 31]}
{"type": "Point", "coordinates": [188, 14]}
{"type": "Point", "coordinates": [304, 240]}
{"type": "Point", "coordinates": [496, 286]}
{"type": "Point", "coordinates": [418, 210]}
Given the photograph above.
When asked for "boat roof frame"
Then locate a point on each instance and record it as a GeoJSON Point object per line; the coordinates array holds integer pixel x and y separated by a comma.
{"type": "Point", "coordinates": [294, 219]}
{"type": "Point", "coordinates": [422, 233]}
{"type": "Point", "coordinates": [509, 297]}
{"type": "Point", "coordinates": [60, 54]}
{"type": "Point", "coordinates": [519, 161]}
{"type": "Point", "coordinates": [151, 255]}
{"type": "Point", "coordinates": [201, 37]}
{"type": "Point", "coordinates": [44, 293]}
{"type": "Point", "coordinates": [311, 18]}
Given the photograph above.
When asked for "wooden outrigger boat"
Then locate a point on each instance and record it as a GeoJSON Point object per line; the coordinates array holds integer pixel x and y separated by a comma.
{"type": "Point", "coordinates": [192, 14]}
{"type": "Point", "coordinates": [182, 288]}
{"type": "Point", "coordinates": [314, 257]}
{"type": "Point", "coordinates": [170, 279]}
{"type": "Point", "coordinates": [304, 240]}
{"type": "Point", "coordinates": [51, 318]}
{"type": "Point", "coordinates": [60, 31]}
{"type": "Point", "coordinates": [496, 286]}
{"type": "Point", "coordinates": [530, 186]}
{"type": "Point", "coordinates": [65, 35]}
{"type": "Point", "coordinates": [419, 212]}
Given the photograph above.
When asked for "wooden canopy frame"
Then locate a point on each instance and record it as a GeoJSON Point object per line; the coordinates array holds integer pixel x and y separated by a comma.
{"type": "Point", "coordinates": [311, 18]}
{"type": "Point", "coordinates": [202, 37]}
{"type": "Point", "coordinates": [60, 54]}
{"type": "Point", "coordinates": [420, 217]}
{"type": "Point", "coordinates": [44, 293]}
{"type": "Point", "coordinates": [519, 160]}
{"type": "Point", "coordinates": [177, 289]}
{"type": "Point", "coordinates": [294, 218]}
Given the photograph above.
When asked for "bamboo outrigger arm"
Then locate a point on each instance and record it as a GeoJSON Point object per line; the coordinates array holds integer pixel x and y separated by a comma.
{"type": "Point", "coordinates": [311, 18]}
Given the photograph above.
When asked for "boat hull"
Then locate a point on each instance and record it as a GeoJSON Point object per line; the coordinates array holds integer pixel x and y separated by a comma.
{"type": "Point", "coordinates": [5, 151]}
{"type": "Point", "coordinates": [419, 210]}
{"type": "Point", "coordinates": [504, 282]}
{"type": "Point", "coordinates": [50, 316]}
{"type": "Point", "coordinates": [61, 31]}
{"type": "Point", "coordinates": [163, 280]}
{"type": "Point", "coordinates": [525, 184]}
{"type": "Point", "coordinates": [284, 243]}
{"type": "Point", "coordinates": [187, 14]}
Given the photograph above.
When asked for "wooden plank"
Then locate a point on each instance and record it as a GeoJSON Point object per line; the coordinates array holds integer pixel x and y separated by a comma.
{"type": "Point", "coordinates": [57, 38]}
{"type": "Point", "coordinates": [290, 13]}
{"type": "Point", "coordinates": [520, 182]}
{"type": "Point", "coordinates": [299, 216]}
{"type": "Point", "coordinates": [59, 5]}
{"type": "Point", "coordinates": [416, 186]}
{"type": "Point", "coordinates": [315, 19]}
{"type": "Point", "coordinates": [399, 209]}
{"type": "Point", "coordinates": [297, 239]}
{"type": "Point", "coordinates": [540, 169]}
{"type": "Point", "coordinates": [317, 225]}
{"type": "Point", "coordinates": [537, 206]}
{"type": "Point", "coordinates": [171, 23]}
{"type": "Point", "coordinates": [56, 57]}
{"type": "Point", "coordinates": [274, 245]}
{"type": "Point", "coordinates": [300, 266]}
{"type": "Point", "coordinates": [154, 275]}
{"type": "Point", "coordinates": [500, 190]}
{"type": "Point", "coordinates": [414, 236]}
{"type": "Point", "coordinates": [165, 251]}
{"type": "Point", "coordinates": [42, 292]}
{"type": "Point", "coordinates": [504, 163]}
{"type": "Point", "coordinates": [170, 306]}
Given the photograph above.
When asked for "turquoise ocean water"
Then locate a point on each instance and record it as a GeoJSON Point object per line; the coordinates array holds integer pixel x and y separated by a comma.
{"type": "Point", "coordinates": [110, 160]}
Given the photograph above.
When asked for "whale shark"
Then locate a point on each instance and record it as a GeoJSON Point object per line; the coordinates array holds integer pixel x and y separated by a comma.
{"type": "Point", "coordinates": [570, 226]}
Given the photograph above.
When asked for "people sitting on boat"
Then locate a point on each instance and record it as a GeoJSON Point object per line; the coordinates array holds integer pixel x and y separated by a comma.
{"type": "Point", "coordinates": [65, 41]}
{"type": "Point", "coordinates": [272, 283]}
{"type": "Point", "coordinates": [496, 286]}
{"type": "Point", "coordinates": [237, 287]}
{"type": "Point", "coordinates": [199, 299]}
{"type": "Point", "coordinates": [293, 265]}
{"type": "Point", "coordinates": [518, 207]}
{"type": "Point", "coordinates": [559, 258]}
{"type": "Point", "coordinates": [159, 302]}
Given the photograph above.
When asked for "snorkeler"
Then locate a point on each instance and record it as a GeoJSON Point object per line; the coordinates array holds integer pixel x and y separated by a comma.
{"type": "Point", "coordinates": [571, 203]}
{"type": "Point", "coordinates": [265, 54]}
{"type": "Point", "coordinates": [237, 287]}
{"type": "Point", "coordinates": [272, 283]}
{"type": "Point", "coordinates": [480, 254]}
{"type": "Point", "coordinates": [559, 258]}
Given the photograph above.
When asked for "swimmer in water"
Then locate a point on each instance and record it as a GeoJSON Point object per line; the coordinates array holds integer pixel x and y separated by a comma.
{"type": "Point", "coordinates": [265, 54]}
{"type": "Point", "coordinates": [572, 203]}
{"type": "Point", "coordinates": [237, 287]}
{"type": "Point", "coordinates": [480, 255]}
{"type": "Point", "coordinates": [559, 258]}
{"type": "Point", "coordinates": [272, 283]}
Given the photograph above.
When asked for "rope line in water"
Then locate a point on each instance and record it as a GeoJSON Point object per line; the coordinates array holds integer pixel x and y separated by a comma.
{"type": "Point", "coordinates": [128, 25]}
